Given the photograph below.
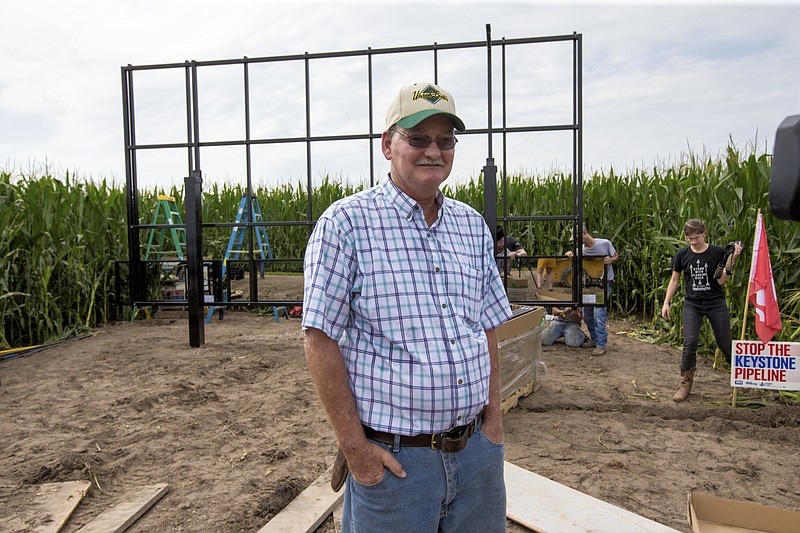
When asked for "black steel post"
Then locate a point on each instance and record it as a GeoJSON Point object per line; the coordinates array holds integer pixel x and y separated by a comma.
{"type": "Point", "coordinates": [489, 170]}
{"type": "Point", "coordinates": [217, 281]}
{"type": "Point", "coordinates": [309, 183]}
{"type": "Point", "coordinates": [117, 290]}
{"type": "Point", "coordinates": [577, 168]}
{"type": "Point", "coordinates": [136, 269]}
{"type": "Point", "coordinates": [193, 187]}
{"type": "Point", "coordinates": [370, 88]}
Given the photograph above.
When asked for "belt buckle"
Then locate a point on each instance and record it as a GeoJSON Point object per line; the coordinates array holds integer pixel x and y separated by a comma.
{"type": "Point", "coordinates": [461, 433]}
{"type": "Point", "coordinates": [457, 433]}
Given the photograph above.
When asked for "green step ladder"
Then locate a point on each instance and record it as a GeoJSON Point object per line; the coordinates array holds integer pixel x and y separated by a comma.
{"type": "Point", "coordinates": [174, 238]}
{"type": "Point", "coordinates": [167, 208]}
{"type": "Point", "coordinates": [236, 242]}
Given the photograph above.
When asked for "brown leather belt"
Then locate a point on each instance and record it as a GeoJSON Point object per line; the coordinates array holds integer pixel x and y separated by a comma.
{"type": "Point", "coordinates": [451, 441]}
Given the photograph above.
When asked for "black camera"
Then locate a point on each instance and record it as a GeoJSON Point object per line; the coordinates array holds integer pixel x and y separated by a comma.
{"type": "Point", "coordinates": [784, 182]}
{"type": "Point", "coordinates": [729, 249]}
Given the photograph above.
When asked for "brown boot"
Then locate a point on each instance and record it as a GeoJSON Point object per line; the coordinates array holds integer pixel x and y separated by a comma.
{"type": "Point", "coordinates": [686, 385]}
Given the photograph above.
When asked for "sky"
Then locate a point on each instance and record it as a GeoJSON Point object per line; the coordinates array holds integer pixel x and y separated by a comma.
{"type": "Point", "coordinates": [661, 80]}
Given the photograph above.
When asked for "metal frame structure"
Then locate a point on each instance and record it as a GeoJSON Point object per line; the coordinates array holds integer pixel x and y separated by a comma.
{"type": "Point", "coordinates": [194, 146]}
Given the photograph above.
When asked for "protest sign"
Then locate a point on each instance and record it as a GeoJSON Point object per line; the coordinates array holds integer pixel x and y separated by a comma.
{"type": "Point", "coordinates": [774, 365]}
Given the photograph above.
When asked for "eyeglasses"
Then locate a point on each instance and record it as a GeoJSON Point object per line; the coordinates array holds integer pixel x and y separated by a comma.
{"type": "Point", "coordinates": [421, 141]}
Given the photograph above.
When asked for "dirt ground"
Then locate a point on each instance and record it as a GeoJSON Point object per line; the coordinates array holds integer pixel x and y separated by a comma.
{"type": "Point", "coordinates": [236, 430]}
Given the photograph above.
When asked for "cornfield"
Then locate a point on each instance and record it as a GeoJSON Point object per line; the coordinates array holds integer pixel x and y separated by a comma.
{"type": "Point", "coordinates": [58, 240]}
{"type": "Point", "coordinates": [59, 237]}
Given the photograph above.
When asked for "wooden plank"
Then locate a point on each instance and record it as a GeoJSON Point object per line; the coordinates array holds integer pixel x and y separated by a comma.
{"type": "Point", "coordinates": [512, 399]}
{"type": "Point", "coordinates": [337, 518]}
{"type": "Point", "coordinates": [120, 516]}
{"type": "Point", "coordinates": [45, 508]}
{"type": "Point", "coordinates": [306, 512]}
{"type": "Point", "coordinates": [545, 506]}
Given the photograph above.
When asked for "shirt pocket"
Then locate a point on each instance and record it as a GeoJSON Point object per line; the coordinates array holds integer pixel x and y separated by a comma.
{"type": "Point", "coordinates": [464, 288]}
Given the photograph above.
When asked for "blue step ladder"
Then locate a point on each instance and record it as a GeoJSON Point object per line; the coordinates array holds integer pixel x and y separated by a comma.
{"type": "Point", "coordinates": [166, 214]}
{"type": "Point", "coordinates": [236, 242]}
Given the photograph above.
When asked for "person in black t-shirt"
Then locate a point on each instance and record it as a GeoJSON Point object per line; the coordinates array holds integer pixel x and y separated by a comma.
{"type": "Point", "coordinates": [507, 250]}
{"type": "Point", "coordinates": [704, 297]}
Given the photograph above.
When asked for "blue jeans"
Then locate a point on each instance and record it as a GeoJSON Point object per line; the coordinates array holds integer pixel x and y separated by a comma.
{"type": "Point", "coordinates": [718, 315]}
{"type": "Point", "coordinates": [595, 318]}
{"type": "Point", "coordinates": [442, 492]}
{"type": "Point", "coordinates": [571, 332]}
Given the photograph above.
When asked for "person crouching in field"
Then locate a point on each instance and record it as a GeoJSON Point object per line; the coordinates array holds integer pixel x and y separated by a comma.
{"type": "Point", "coordinates": [704, 297]}
{"type": "Point", "coordinates": [567, 324]}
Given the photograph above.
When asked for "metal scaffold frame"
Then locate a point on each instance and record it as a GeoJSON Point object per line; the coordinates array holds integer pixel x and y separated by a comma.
{"type": "Point", "coordinates": [194, 145]}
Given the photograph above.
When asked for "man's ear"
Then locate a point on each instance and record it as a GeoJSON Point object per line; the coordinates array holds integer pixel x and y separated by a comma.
{"type": "Point", "coordinates": [386, 144]}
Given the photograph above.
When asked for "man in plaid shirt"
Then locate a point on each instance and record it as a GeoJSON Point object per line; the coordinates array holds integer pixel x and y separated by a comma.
{"type": "Point", "coordinates": [402, 297]}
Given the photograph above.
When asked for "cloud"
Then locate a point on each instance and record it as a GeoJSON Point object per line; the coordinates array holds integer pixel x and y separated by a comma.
{"type": "Point", "coordinates": [658, 78]}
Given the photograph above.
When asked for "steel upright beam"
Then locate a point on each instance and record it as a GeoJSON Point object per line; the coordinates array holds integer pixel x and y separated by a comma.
{"type": "Point", "coordinates": [490, 169]}
{"type": "Point", "coordinates": [136, 269]}
{"type": "Point", "coordinates": [193, 185]}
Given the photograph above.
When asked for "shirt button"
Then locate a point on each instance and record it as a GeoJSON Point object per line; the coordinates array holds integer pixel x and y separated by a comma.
{"type": "Point", "coordinates": [452, 341]}
{"type": "Point", "coordinates": [436, 269]}
{"type": "Point", "coordinates": [416, 208]}
{"type": "Point", "coordinates": [429, 235]}
{"type": "Point", "coordinates": [459, 418]}
{"type": "Point", "coordinates": [444, 306]}
{"type": "Point", "coordinates": [460, 382]}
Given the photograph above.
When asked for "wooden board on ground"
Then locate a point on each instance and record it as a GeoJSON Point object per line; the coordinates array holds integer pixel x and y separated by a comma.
{"type": "Point", "coordinates": [47, 507]}
{"type": "Point", "coordinates": [545, 506]}
{"type": "Point", "coordinates": [511, 400]}
{"type": "Point", "coordinates": [172, 312]}
{"type": "Point", "coordinates": [306, 512]}
{"type": "Point", "coordinates": [337, 518]}
{"type": "Point", "coordinates": [120, 517]}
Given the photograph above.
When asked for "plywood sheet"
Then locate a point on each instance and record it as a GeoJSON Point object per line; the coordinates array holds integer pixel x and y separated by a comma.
{"type": "Point", "coordinates": [545, 506]}
{"type": "Point", "coordinates": [118, 518]}
{"type": "Point", "coordinates": [308, 510]}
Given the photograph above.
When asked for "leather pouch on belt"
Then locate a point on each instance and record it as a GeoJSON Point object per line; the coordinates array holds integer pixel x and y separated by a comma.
{"type": "Point", "coordinates": [339, 472]}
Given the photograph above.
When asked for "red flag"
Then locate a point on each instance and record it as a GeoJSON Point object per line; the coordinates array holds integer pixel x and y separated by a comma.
{"type": "Point", "coordinates": [762, 287]}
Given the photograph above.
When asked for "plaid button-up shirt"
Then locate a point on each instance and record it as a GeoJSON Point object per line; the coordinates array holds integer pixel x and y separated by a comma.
{"type": "Point", "coordinates": [408, 305]}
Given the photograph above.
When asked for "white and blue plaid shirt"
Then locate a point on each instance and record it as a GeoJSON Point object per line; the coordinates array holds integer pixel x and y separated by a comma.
{"type": "Point", "coordinates": [408, 305]}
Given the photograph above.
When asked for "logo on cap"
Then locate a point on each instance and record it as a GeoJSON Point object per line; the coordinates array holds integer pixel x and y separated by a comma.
{"type": "Point", "coordinates": [430, 94]}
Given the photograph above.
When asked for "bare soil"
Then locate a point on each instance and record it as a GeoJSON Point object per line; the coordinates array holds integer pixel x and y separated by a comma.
{"type": "Point", "coordinates": [236, 430]}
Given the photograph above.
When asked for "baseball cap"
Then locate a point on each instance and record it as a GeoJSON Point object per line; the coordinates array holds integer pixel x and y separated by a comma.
{"type": "Point", "coordinates": [414, 103]}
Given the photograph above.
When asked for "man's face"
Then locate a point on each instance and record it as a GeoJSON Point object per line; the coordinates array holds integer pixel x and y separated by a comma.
{"type": "Point", "coordinates": [500, 244]}
{"type": "Point", "coordinates": [419, 171]}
